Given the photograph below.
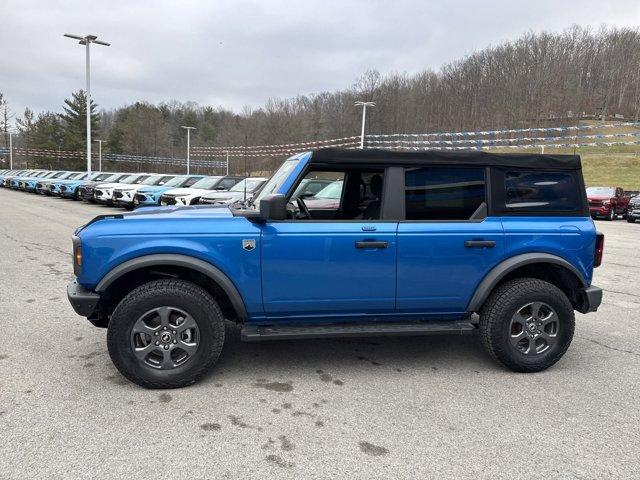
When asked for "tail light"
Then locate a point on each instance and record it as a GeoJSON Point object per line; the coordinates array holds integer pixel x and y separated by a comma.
{"type": "Point", "coordinates": [597, 257]}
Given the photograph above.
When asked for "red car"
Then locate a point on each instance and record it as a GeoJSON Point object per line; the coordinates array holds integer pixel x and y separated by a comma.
{"type": "Point", "coordinates": [607, 202]}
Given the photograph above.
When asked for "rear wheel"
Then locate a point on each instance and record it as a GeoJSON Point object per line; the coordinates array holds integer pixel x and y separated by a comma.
{"type": "Point", "coordinates": [527, 324]}
{"type": "Point", "coordinates": [166, 334]}
{"type": "Point", "coordinates": [612, 215]}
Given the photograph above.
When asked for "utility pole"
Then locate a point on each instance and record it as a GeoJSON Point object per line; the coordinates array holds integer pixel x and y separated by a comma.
{"type": "Point", "coordinates": [364, 106]}
{"type": "Point", "coordinates": [188, 129]}
{"type": "Point", "coordinates": [10, 151]}
{"type": "Point", "coordinates": [87, 40]}
{"type": "Point", "coordinates": [227, 163]}
{"type": "Point", "coordinates": [99, 155]}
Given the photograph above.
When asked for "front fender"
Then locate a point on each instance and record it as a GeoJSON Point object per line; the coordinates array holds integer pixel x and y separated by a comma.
{"type": "Point", "coordinates": [193, 263]}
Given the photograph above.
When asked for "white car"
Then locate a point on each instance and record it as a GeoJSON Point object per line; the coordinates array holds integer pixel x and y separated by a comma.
{"type": "Point", "coordinates": [124, 194]}
{"type": "Point", "coordinates": [191, 195]}
{"type": "Point", "coordinates": [240, 191]}
{"type": "Point", "coordinates": [103, 192]}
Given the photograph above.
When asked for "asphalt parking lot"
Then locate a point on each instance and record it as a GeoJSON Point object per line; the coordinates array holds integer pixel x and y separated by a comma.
{"type": "Point", "coordinates": [381, 408]}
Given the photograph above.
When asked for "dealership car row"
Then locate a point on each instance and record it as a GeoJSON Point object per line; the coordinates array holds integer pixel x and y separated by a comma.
{"type": "Point", "coordinates": [133, 190]}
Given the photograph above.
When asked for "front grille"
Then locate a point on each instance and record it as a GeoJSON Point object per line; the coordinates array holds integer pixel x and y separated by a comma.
{"type": "Point", "coordinates": [63, 189]}
{"type": "Point", "coordinates": [117, 195]}
{"type": "Point", "coordinates": [595, 203]}
{"type": "Point", "coordinates": [38, 185]}
{"type": "Point", "coordinates": [97, 193]}
{"type": "Point", "coordinates": [168, 200]}
{"type": "Point", "coordinates": [140, 197]}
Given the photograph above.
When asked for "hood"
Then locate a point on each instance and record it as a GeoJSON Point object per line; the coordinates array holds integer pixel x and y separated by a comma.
{"type": "Point", "coordinates": [153, 188]}
{"type": "Point", "coordinates": [163, 219]}
{"type": "Point", "coordinates": [600, 197]}
{"type": "Point", "coordinates": [128, 187]}
{"type": "Point", "coordinates": [187, 191]}
{"type": "Point", "coordinates": [111, 185]}
{"type": "Point", "coordinates": [226, 194]}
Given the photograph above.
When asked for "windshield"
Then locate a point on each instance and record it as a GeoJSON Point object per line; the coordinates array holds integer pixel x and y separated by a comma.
{"type": "Point", "coordinates": [176, 182]}
{"type": "Point", "coordinates": [104, 176]}
{"type": "Point", "coordinates": [277, 179]}
{"type": "Point", "coordinates": [250, 183]}
{"type": "Point", "coordinates": [206, 183]}
{"type": "Point", "coordinates": [95, 176]}
{"type": "Point", "coordinates": [601, 191]}
{"type": "Point", "coordinates": [130, 179]}
{"type": "Point", "coordinates": [113, 178]}
{"type": "Point", "coordinates": [157, 180]}
{"type": "Point", "coordinates": [333, 191]}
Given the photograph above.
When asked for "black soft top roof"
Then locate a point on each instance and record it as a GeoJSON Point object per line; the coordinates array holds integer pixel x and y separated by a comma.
{"type": "Point", "coordinates": [469, 157]}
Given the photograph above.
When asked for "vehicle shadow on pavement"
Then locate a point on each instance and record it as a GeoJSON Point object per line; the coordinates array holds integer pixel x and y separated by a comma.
{"type": "Point", "coordinates": [396, 354]}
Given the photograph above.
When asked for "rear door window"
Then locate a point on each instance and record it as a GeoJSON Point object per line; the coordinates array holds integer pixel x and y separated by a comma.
{"type": "Point", "coordinates": [443, 193]}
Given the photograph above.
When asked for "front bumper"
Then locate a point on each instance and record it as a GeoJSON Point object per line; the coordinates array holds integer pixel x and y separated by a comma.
{"type": "Point", "coordinates": [83, 301]}
{"type": "Point", "coordinates": [103, 197]}
{"type": "Point", "coordinates": [590, 299]}
{"type": "Point", "coordinates": [634, 213]}
{"type": "Point", "coordinates": [123, 198]}
{"type": "Point", "coordinates": [145, 200]}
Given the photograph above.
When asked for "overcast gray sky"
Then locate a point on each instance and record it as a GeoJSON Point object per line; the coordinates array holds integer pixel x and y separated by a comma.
{"type": "Point", "coordinates": [234, 53]}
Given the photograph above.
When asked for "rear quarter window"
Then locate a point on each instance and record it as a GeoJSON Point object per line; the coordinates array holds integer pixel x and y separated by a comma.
{"type": "Point", "coordinates": [541, 191]}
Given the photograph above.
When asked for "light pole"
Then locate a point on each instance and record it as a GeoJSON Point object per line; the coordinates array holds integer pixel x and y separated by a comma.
{"type": "Point", "coordinates": [87, 40]}
{"type": "Point", "coordinates": [227, 163]}
{"type": "Point", "coordinates": [188, 129]}
{"type": "Point", "coordinates": [10, 151]}
{"type": "Point", "coordinates": [99, 154]}
{"type": "Point", "coordinates": [364, 106]}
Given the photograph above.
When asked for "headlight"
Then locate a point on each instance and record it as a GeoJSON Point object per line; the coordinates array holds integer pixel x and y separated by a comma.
{"type": "Point", "coordinates": [606, 203]}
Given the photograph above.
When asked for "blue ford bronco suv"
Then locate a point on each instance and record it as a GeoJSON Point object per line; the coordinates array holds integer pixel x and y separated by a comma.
{"type": "Point", "coordinates": [417, 244]}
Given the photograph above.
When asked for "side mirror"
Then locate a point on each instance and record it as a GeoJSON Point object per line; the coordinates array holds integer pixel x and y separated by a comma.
{"type": "Point", "coordinates": [273, 207]}
{"type": "Point", "coordinates": [220, 187]}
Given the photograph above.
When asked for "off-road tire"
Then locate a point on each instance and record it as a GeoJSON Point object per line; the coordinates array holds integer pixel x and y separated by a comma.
{"type": "Point", "coordinates": [181, 294]}
{"type": "Point", "coordinates": [503, 303]}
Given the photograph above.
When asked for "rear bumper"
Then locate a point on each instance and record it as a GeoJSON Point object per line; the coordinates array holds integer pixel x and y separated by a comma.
{"type": "Point", "coordinates": [590, 299]}
{"type": "Point", "coordinates": [83, 301]}
{"type": "Point", "coordinates": [600, 211]}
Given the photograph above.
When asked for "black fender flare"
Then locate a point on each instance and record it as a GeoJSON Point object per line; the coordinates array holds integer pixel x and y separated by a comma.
{"type": "Point", "coordinates": [178, 260]}
{"type": "Point", "coordinates": [498, 272]}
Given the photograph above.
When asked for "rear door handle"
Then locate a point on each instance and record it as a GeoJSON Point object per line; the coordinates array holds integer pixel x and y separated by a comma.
{"type": "Point", "coordinates": [371, 244]}
{"type": "Point", "coordinates": [479, 243]}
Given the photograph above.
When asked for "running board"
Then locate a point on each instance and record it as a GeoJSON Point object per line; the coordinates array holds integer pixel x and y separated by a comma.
{"type": "Point", "coordinates": [256, 333]}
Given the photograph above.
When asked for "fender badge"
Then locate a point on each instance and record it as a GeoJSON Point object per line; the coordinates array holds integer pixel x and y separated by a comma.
{"type": "Point", "coordinates": [249, 244]}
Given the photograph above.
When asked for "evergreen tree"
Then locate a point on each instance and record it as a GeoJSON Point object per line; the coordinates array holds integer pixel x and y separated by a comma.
{"type": "Point", "coordinates": [75, 120]}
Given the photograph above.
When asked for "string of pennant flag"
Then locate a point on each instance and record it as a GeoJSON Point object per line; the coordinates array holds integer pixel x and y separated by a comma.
{"type": "Point", "coordinates": [215, 156]}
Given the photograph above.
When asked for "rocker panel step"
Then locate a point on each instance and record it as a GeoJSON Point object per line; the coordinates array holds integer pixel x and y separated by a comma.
{"type": "Point", "coordinates": [256, 333]}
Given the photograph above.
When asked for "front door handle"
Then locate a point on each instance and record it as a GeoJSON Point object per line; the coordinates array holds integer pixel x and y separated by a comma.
{"type": "Point", "coordinates": [479, 243]}
{"type": "Point", "coordinates": [371, 244]}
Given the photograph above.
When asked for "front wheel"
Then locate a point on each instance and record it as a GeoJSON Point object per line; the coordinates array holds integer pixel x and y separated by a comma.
{"type": "Point", "coordinates": [166, 334]}
{"type": "Point", "coordinates": [631, 219]}
{"type": "Point", "coordinates": [527, 324]}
